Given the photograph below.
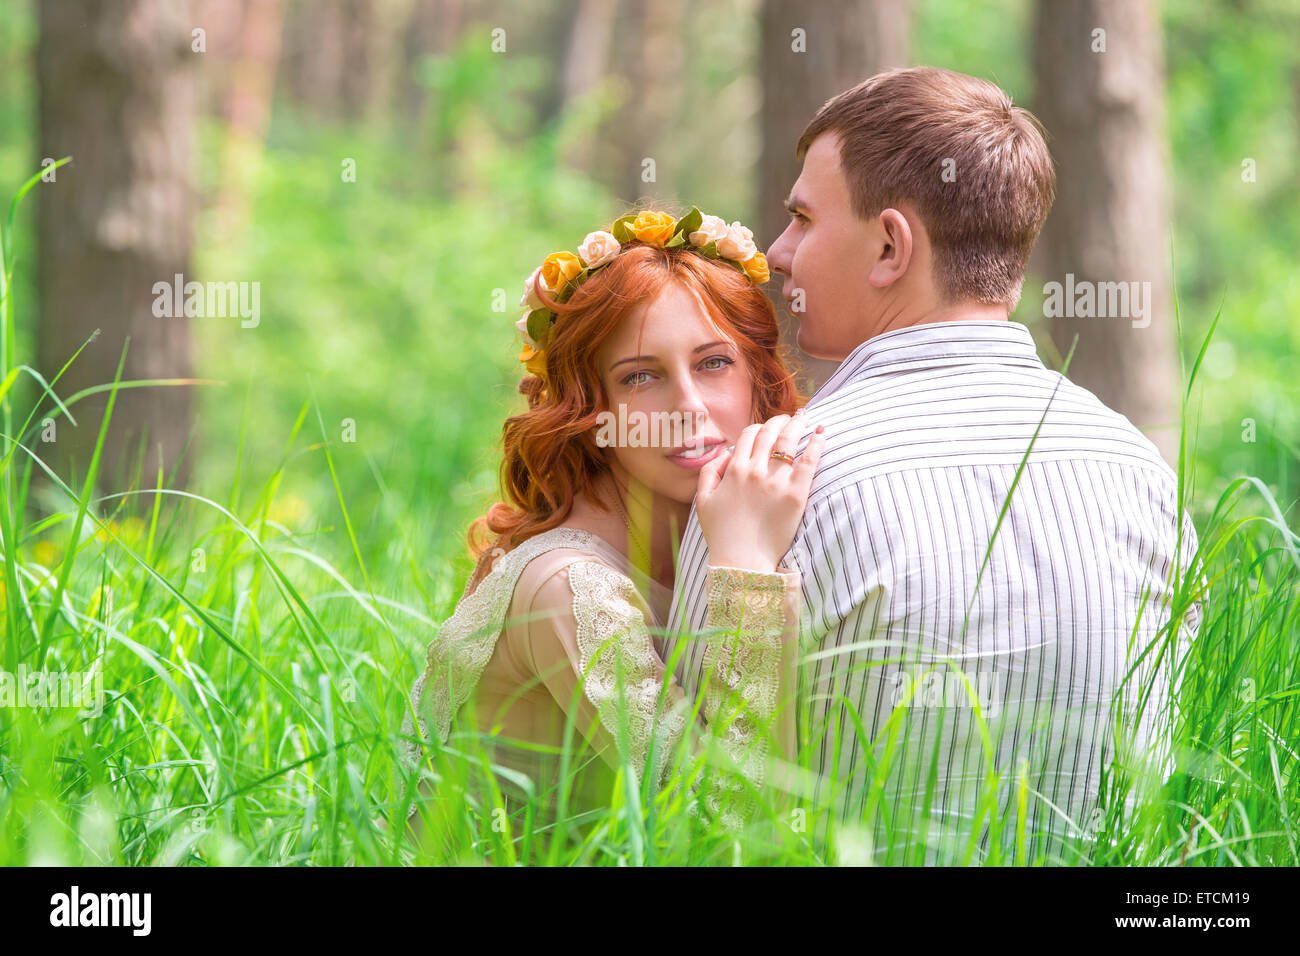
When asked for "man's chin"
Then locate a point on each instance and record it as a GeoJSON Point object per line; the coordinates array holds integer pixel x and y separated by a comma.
{"type": "Point", "coordinates": [810, 346]}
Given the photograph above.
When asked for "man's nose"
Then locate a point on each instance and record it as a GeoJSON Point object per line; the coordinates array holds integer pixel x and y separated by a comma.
{"type": "Point", "coordinates": [779, 253]}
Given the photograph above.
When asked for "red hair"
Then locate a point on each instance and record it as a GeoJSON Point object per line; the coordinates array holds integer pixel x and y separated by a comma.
{"type": "Point", "coordinates": [550, 450]}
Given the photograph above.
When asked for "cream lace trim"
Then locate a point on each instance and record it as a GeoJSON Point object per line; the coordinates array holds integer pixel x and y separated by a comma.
{"type": "Point", "coordinates": [749, 609]}
{"type": "Point", "coordinates": [743, 671]}
{"type": "Point", "coordinates": [622, 673]}
{"type": "Point", "coordinates": [455, 658]}
{"type": "Point", "coordinates": [740, 697]}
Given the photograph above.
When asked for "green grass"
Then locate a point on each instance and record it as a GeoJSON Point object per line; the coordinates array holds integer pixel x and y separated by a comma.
{"type": "Point", "coordinates": [256, 645]}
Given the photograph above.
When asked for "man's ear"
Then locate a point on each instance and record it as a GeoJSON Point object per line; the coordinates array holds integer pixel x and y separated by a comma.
{"type": "Point", "coordinates": [895, 250]}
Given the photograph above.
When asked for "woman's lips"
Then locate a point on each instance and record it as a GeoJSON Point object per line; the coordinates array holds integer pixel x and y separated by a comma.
{"type": "Point", "coordinates": [696, 463]}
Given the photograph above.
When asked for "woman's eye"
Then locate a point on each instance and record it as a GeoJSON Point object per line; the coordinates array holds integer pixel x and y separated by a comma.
{"type": "Point", "coordinates": [633, 380]}
{"type": "Point", "coordinates": [723, 362]}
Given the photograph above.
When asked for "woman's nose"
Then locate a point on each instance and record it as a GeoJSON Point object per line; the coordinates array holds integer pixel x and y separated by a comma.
{"type": "Point", "coordinates": [689, 400]}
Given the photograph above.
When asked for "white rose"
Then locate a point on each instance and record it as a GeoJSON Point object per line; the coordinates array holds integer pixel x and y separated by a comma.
{"type": "Point", "coordinates": [598, 248]}
{"type": "Point", "coordinates": [712, 229]}
{"type": "Point", "coordinates": [530, 301]}
{"type": "Point", "coordinates": [737, 244]}
{"type": "Point", "coordinates": [522, 326]}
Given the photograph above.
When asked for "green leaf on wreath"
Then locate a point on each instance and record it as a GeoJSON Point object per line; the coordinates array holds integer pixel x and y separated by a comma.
{"type": "Point", "coordinates": [539, 324]}
{"type": "Point", "coordinates": [620, 229]}
{"type": "Point", "coordinates": [689, 222]}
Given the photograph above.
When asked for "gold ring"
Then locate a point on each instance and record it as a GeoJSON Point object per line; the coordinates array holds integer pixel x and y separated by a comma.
{"type": "Point", "coordinates": [784, 456]}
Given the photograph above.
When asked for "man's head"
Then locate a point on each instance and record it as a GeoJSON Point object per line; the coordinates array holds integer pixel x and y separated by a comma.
{"type": "Point", "coordinates": [921, 195]}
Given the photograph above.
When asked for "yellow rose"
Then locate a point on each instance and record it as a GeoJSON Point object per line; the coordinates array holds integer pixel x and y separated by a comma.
{"type": "Point", "coordinates": [653, 228]}
{"type": "Point", "coordinates": [756, 268]}
{"type": "Point", "coordinates": [534, 360]}
{"type": "Point", "coordinates": [559, 268]}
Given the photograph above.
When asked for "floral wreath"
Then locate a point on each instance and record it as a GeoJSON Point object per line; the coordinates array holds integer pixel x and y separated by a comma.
{"type": "Point", "coordinates": [563, 272]}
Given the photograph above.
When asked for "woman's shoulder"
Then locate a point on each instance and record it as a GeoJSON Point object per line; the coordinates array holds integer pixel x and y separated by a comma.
{"type": "Point", "coordinates": [546, 581]}
{"type": "Point", "coordinates": [540, 551]}
{"type": "Point", "coordinates": [559, 596]}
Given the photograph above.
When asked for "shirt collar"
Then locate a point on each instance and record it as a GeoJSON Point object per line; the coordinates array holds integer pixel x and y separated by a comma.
{"type": "Point", "coordinates": [934, 344]}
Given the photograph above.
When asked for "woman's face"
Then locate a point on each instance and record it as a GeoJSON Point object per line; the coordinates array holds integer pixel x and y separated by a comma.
{"type": "Point", "coordinates": [678, 392]}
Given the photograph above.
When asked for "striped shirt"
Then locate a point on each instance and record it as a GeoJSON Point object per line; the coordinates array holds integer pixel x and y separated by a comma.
{"type": "Point", "coordinates": [924, 597]}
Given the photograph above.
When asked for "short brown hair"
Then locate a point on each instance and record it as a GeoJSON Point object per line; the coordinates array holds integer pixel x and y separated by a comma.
{"type": "Point", "coordinates": [897, 131]}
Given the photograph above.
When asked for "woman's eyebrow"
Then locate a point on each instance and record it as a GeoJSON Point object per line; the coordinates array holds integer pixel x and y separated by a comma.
{"type": "Point", "coordinates": [655, 358]}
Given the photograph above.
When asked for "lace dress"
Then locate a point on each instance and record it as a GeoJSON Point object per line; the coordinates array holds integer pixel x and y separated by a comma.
{"type": "Point", "coordinates": [557, 633]}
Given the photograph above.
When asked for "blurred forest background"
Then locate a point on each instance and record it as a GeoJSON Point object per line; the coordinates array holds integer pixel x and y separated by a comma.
{"type": "Point", "coordinates": [382, 168]}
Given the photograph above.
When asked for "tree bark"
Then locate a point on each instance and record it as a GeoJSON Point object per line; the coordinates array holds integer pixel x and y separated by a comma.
{"type": "Point", "coordinates": [251, 66]}
{"type": "Point", "coordinates": [586, 60]}
{"type": "Point", "coordinates": [1104, 114]}
{"type": "Point", "coordinates": [433, 27]}
{"type": "Point", "coordinates": [845, 41]}
{"type": "Point", "coordinates": [587, 56]}
{"type": "Point", "coordinates": [326, 64]}
{"type": "Point", "coordinates": [653, 62]}
{"type": "Point", "coordinates": [116, 93]}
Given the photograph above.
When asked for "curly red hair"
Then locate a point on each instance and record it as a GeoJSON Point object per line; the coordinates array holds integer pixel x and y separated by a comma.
{"type": "Point", "coordinates": [550, 450]}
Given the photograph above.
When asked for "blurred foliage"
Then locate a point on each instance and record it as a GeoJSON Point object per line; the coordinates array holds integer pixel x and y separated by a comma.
{"type": "Point", "coordinates": [1234, 94]}
{"type": "Point", "coordinates": [380, 322]}
{"type": "Point", "coordinates": [378, 296]}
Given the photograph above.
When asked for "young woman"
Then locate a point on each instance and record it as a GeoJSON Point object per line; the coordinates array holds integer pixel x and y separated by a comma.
{"type": "Point", "coordinates": [654, 382]}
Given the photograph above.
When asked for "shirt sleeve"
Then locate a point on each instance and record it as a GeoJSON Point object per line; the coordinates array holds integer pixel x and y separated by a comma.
{"type": "Point", "coordinates": [590, 642]}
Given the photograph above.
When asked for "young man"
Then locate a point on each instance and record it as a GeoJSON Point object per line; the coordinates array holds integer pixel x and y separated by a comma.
{"type": "Point", "coordinates": [986, 545]}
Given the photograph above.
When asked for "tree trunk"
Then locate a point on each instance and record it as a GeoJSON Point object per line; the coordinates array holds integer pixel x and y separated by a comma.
{"type": "Point", "coordinates": [655, 59]}
{"type": "Point", "coordinates": [318, 68]}
{"type": "Point", "coordinates": [432, 29]}
{"type": "Point", "coordinates": [843, 42]}
{"type": "Point", "coordinates": [1104, 114]}
{"type": "Point", "coordinates": [585, 63]}
{"type": "Point", "coordinates": [116, 94]}
{"type": "Point", "coordinates": [251, 84]}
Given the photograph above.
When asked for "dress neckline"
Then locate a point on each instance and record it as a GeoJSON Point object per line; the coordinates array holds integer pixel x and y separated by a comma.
{"type": "Point", "coordinates": [660, 596]}
{"type": "Point", "coordinates": [623, 561]}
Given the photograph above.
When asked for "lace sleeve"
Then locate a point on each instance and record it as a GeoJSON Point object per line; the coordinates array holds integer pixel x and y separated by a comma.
{"type": "Point", "coordinates": [610, 651]}
{"type": "Point", "coordinates": [604, 644]}
{"type": "Point", "coordinates": [749, 667]}
{"type": "Point", "coordinates": [752, 613]}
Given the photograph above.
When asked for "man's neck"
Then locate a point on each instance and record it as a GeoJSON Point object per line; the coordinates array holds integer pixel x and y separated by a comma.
{"type": "Point", "coordinates": [956, 312]}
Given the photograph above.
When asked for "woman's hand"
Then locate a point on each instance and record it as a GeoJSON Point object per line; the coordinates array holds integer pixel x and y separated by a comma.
{"type": "Point", "coordinates": [749, 503]}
